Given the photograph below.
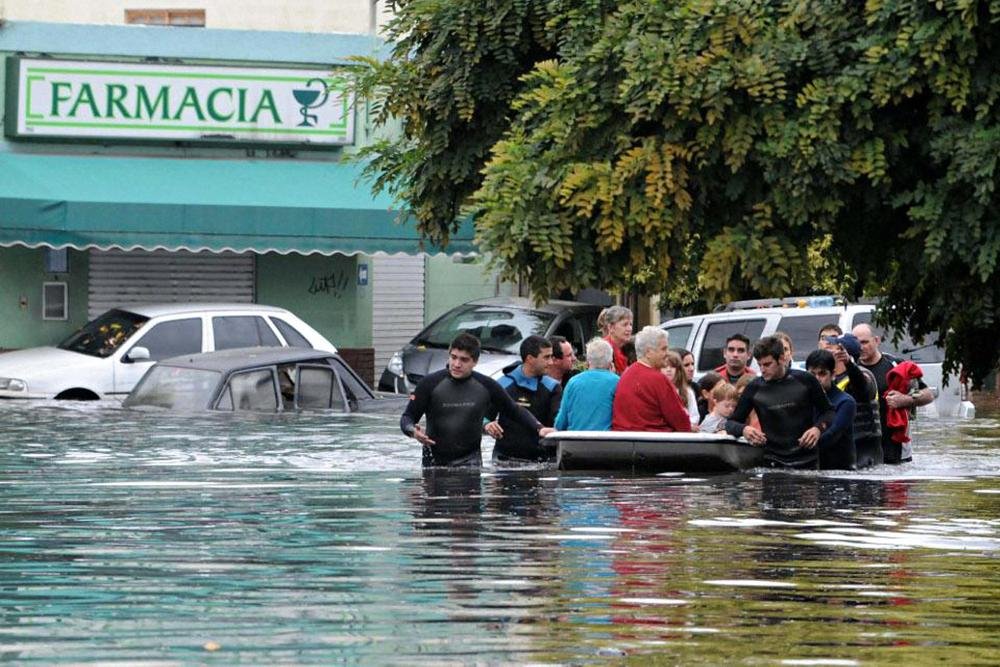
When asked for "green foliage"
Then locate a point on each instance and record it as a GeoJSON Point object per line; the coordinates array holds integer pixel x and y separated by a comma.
{"type": "Point", "coordinates": [712, 150]}
{"type": "Point", "coordinates": [451, 76]}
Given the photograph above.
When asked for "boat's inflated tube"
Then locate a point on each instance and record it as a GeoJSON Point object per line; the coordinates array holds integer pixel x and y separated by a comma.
{"type": "Point", "coordinates": [649, 452]}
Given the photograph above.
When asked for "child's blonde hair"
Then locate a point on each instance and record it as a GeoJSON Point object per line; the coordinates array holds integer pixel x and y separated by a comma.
{"type": "Point", "coordinates": [724, 392]}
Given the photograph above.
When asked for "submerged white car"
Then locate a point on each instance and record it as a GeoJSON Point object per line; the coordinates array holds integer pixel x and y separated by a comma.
{"type": "Point", "coordinates": [108, 355]}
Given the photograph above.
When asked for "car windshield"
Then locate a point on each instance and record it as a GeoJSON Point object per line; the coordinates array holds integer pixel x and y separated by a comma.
{"type": "Point", "coordinates": [101, 337]}
{"type": "Point", "coordinates": [498, 328]}
{"type": "Point", "coordinates": [183, 389]}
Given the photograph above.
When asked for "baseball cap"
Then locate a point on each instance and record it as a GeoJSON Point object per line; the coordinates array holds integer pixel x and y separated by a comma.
{"type": "Point", "coordinates": [850, 344]}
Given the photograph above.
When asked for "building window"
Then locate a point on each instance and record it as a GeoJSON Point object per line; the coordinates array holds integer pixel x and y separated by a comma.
{"type": "Point", "coordinates": [56, 260]}
{"type": "Point", "coordinates": [189, 18]}
{"type": "Point", "coordinates": [55, 301]}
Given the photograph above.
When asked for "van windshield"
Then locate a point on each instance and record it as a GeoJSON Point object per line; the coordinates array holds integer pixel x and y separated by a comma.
{"type": "Point", "coordinates": [101, 337]}
{"type": "Point", "coordinates": [498, 328]}
{"type": "Point", "coordinates": [804, 332]}
{"type": "Point", "coordinates": [925, 352]}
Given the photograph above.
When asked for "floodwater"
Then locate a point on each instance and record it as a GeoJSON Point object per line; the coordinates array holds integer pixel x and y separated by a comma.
{"type": "Point", "coordinates": [148, 538]}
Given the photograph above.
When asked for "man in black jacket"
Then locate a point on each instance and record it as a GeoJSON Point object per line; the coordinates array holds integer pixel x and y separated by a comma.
{"type": "Point", "coordinates": [563, 360]}
{"type": "Point", "coordinates": [880, 364]}
{"type": "Point", "coordinates": [534, 390]}
{"type": "Point", "coordinates": [860, 384]}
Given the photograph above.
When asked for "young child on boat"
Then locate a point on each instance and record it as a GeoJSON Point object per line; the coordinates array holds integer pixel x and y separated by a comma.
{"type": "Point", "coordinates": [723, 402]}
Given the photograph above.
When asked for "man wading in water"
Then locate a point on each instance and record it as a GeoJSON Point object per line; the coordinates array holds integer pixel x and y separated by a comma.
{"type": "Point", "coordinates": [895, 443]}
{"type": "Point", "coordinates": [531, 388]}
{"type": "Point", "coordinates": [455, 400]}
{"type": "Point", "coordinates": [792, 408]}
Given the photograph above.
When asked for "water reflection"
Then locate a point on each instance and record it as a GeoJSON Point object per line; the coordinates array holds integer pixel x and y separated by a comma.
{"type": "Point", "coordinates": [139, 538]}
{"type": "Point", "coordinates": [447, 517]}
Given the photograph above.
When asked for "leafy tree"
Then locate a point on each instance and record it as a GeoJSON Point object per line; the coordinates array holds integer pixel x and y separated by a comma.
{"type": "Point", "coordinates": [712, 150]}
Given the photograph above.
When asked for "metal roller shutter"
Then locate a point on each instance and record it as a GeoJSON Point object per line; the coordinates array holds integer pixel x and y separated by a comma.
{"type": "Point", "coordinates": [122, 278]}
{"type": "Point", "coordinates": [397, 304]}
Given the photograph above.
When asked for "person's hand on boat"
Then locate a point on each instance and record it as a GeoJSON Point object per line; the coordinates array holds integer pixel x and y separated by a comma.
{"type": "Point", "coordinates": [545, 430]}
{"type": "Point", "coordinates": [421, 436]}
{"type": "Point", "coordinates": [754, 436]}
{"type": "Point", "coordinates": [809, 439]}
{"type": "Point", "coordinates": [493, 429]}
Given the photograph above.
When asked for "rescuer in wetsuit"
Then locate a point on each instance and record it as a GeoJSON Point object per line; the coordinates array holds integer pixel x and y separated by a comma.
{"type": "Point", "coordinates": [455, 400]}
{"type": "Point", "coordinates": [792, 408]}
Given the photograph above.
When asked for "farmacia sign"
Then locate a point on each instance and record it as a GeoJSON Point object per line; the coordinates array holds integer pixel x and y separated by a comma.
{"type": "Point", "coordinates": [102, 100]}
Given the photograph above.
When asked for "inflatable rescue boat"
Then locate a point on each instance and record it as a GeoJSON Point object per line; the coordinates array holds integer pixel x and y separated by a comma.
{"type": "Point", "coordinates": [653, 452]}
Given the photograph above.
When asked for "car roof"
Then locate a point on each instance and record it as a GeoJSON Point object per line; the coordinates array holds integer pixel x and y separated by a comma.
{"type": "Point", "coordinates": [160, 309]}
{"type": "Point", "coordinates": [246, 357]}
{"type": "Point", "coordinates": [555, 306]}
{"type": "Point", "coordinates": [750, 313]}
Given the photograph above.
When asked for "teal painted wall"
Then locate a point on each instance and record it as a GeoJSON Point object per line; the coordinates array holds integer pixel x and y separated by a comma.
{"type": "Point", "coordinates": [449, 284]}
{"type": "Point", "coordinates": [322, 290]}
{"type": "Point", "coordinates": [22, 273]}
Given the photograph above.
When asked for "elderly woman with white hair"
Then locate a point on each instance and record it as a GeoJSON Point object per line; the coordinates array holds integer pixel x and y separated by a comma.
{"type": "Point", "coordinates": [645, 399]}
{"type": "Point", "coordinates": [588, 397]}
{"type": "Point", "coordinates": [616, 323]}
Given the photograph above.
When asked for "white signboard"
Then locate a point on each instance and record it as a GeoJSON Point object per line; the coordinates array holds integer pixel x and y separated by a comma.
{"type": "Point", "coordinates": [78, 99]}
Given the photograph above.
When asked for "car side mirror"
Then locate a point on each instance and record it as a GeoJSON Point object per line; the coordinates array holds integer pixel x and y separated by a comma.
{"type": "Point", "coordinates": [137, 353]}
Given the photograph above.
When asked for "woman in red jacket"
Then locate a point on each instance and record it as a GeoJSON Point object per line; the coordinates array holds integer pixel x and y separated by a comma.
{"type": "Point", "coordinates": [616, 323]}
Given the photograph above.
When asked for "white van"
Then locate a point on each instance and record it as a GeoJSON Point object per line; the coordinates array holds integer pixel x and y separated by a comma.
{"type": "Point", "coordinates": [802, 318]}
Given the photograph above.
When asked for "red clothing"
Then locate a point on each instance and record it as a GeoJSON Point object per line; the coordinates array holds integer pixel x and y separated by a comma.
{"type": "Point", "coordinates": [721, 370]}
{"type": "Point", "coordinates": [646, 400]}
{"type": "Point", "coordinates": [621, 361]}
{"type": "Point", "coordinates": [897, 420]}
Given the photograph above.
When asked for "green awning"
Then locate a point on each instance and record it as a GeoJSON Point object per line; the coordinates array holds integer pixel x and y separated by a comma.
{"type": "Point", "coordinates": [283, 206]}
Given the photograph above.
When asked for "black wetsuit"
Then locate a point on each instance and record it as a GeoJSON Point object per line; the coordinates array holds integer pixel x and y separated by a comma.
{"type": "Point", "coordinates": [455, 410]}
{"type": "Point", "coordinates": [786, 408]}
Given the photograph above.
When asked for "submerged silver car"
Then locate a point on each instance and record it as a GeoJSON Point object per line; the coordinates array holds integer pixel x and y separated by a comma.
{"type": "Point", "coordinates": [259, 379]}
{"type": "Point", "coordinates": [500, 324]}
